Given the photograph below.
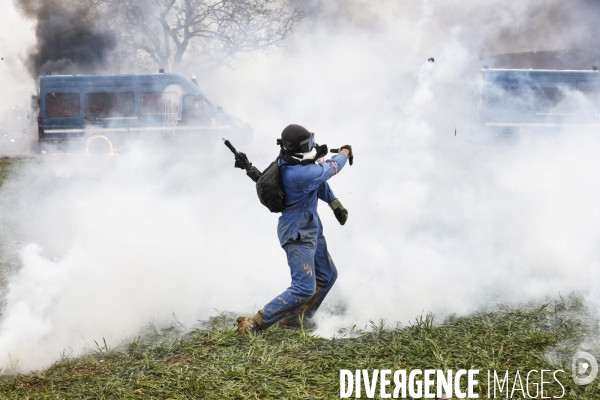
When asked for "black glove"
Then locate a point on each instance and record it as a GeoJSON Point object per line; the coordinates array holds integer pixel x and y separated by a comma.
{"type": "Point", "coordinates": [350, 156]}
{"type": "Point", "coordinates": [340, 212]}
{"type": "Point", "coordinates": [241, 161]}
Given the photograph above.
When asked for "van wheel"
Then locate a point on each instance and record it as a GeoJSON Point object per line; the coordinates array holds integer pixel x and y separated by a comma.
{"type": "Point", "coordinates": [99, 146]}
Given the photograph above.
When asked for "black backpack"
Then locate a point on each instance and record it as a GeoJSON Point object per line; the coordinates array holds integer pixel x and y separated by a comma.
{"type": "Point", "coordinates": [270, 189]}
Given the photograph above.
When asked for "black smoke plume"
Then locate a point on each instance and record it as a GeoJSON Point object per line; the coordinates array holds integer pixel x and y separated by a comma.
{"type": "Point", "coordinates": [66, 43]}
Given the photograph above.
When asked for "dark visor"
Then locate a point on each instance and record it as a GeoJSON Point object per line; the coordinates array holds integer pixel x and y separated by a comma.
{"type": "Point", "coordinates": [308, 144]}
{"type": "Point", "coordinates": [303, 147]}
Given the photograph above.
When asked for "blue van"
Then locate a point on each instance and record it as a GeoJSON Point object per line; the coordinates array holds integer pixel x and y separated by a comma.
{"type": "Point", "coordinates": [104, 114]}
{"type": "Point", "coordinates": [513, 100]}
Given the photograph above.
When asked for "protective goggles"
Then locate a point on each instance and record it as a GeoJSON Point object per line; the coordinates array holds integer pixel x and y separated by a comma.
{"type": "Point", "coordinates": [302, 147]}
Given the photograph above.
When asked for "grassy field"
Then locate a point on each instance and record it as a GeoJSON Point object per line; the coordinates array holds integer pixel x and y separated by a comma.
{"type": "Point", "coordinates": [8, 260]}
{"type": "Point", "coordinates": [7, 165]}
{"type": "Point", "coordinates": [214, 362]}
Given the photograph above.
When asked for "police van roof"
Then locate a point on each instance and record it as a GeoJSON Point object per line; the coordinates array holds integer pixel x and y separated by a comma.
{"type": "Point", "coordinates": [104, 76]}
{"type": "Point", "coordinates": [121, 79]}
{"type": "Point", "coordinates": [554, 71]}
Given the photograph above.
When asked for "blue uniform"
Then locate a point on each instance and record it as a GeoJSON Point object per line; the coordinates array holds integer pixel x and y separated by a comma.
{"type": "Point", "coordinates": [301, 236]}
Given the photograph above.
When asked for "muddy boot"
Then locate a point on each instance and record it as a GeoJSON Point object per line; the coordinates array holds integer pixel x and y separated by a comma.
{"type": "Point", "coordinates": [248, 325]}
{"type": "Point", "coordinates": [293, 321]}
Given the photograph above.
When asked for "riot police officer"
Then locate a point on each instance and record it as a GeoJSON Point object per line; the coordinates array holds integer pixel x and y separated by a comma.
{"type": "Point", "coordinates": [304, 175]}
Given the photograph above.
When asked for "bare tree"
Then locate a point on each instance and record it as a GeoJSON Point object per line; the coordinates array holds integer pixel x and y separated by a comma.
{"type": "Point", "coordinates": [173, 34]}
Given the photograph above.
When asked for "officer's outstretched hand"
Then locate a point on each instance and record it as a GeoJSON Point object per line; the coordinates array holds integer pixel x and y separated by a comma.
{"type": "Point", "coordinates": [347, 152]}
{"type": "Point", "coordinates": [340, 212]}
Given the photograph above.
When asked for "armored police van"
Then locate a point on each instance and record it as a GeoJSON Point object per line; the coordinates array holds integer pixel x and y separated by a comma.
{"type": "Point", "coordinates": [513, 100]}
{"type": "Point", "coordinates": [105, 114]}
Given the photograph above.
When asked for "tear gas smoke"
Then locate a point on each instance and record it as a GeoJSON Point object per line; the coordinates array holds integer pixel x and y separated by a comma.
{"type": "Point", "coordinates": [16, 38]}
{"type": "Point", "coordinates": [66, 44]}
{"type": "Point", "coordinates": [437, 223]}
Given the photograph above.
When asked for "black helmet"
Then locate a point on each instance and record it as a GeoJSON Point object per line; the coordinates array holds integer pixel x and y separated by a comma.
{"type": "Point", "coordinates": [297, 139]}
{"type": "Point", "coordinates": [298, 146]}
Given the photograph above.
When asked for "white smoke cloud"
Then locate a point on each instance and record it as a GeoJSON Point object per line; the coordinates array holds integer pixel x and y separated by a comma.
{"type": "Point", "coordinates": [438, 222]}
{"type": "Point", "coordinates": [126, 241]}
{"type": "Point", "coordinates": [16, 36]}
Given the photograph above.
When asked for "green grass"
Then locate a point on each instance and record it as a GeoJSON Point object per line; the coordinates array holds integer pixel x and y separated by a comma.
{"type": "Point", "coordinates": [7, 260]}
{"type": "Point", "coordinates": [7, 166]}
{"type": "Point", "coordinates": [214, 362]}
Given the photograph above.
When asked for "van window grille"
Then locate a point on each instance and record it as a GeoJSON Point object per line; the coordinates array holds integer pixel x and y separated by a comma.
{"type": "Point", "coordinates": [62, 105]}
{"type": "Point", "coordinates": [110, 104]}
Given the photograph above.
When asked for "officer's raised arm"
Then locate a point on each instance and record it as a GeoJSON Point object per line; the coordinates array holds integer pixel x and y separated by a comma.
{"type": "Point", "coordinates": [318, 173]}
